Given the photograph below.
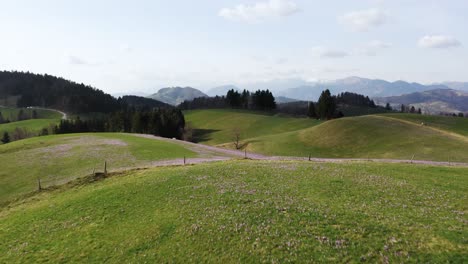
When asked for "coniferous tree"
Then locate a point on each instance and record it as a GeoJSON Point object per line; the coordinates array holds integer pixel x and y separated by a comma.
{"type": "Point", "coordinates": [326, 105]}
{"type": "Point", "coordinates": [388, 107]}
{"type": "Point", "coordinates": [311, 110]}
{"type": "Point", "coordinates": [5, 138]}
{"type": "Point", "coordinates": [2, 120]}
{"type": "Point", "coordinates": [412, 110]}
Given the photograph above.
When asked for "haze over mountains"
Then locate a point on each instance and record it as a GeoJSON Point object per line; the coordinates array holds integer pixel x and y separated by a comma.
{"type": "Point", "coordinates": [431, 102]}
{"type": "Point", "coordinates": [177, 95]}
{"type": "Point", "coordinates": [287, 90]}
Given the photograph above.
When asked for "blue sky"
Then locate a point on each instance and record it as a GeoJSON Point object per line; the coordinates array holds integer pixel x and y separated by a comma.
{"type": "Point", "coordinates": [142, 45]}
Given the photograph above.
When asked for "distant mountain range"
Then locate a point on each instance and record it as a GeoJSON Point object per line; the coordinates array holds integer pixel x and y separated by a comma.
{"type": "Point", "coordinates": [288, 90]}
{"type": "Point", "coordinates": [433, 101]}
{"type": "Point", "coordinates": [176, 95]}
{"type": "Point", "coordinates": [303, 90]}
{"type": "Point", "coordinates": [368, 87]}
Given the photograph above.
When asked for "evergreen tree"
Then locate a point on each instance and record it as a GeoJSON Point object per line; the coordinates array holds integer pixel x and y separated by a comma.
{"type": "Point", "coordinates": [311, 110]}
{"type": "Point", "coordinates": [34, 114]}
{"type": "Point", "coordinates": [403, 108]}
{"type": "Point", "coordinates": [5, 138]}
{"type": "Point", "coordinates": [419, 111]}
{"type": "Point", "coordinates": [412, 110]}
{"type": "Point", "coordinates": [326, 105]}
{"type": "Point", "coordinates": [2, 120]}
{"type": "Point", "coordinates": [388, 107]}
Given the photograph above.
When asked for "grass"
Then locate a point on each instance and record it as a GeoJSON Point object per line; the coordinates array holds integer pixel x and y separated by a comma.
{"type": "Point", "coordinates": [449, 123]}
{"type": "Point", "coordinates": [366, 137]}
{"type": "Point", "coordinates": [60, 158]}
{"type": "Point", "coordinates": [12, 113]}
{"type": "Point", "coordinates": [216, 126]}
{"type": "Point", "coordinates": [33, 126]}
{"type": "Point", "coordinates": [248, 212]}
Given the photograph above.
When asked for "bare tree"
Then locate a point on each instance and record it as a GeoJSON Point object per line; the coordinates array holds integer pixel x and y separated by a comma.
{"type": "Point", "coordinates": [237, 138]}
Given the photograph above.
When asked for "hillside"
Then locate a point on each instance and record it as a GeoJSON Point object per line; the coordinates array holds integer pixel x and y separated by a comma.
{"type": "Point", "coordinates": [20, 89]}
{"type": "Point", "coordinates": [249, 212]}
{"type": "Point", "coordinates": [433, 101]}
{"type": "Point", "coordinates": [143, 102]}
{"type": "Point", "coordinates": [217, 126]}
{"type": "Point", "coordinates": [176, 95]}
{"type": "Point", "coordinates": [11, 113]}
{"type": "Point", "coordinates": [60, 158]}
{"type": "Point", "coordinates": [32, 127]}
{"type": "Point", "coordinates": [452, 124]}
{"type": "Point", "coordinates": [366, 137]}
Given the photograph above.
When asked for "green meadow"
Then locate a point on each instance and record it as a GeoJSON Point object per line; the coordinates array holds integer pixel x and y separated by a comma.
{"type": "Point", "coordinates": [58, 159]}
{"type": "Point", "coordinates": [247, 212]}
{"type": "Point", "coordinates": [214, 127]}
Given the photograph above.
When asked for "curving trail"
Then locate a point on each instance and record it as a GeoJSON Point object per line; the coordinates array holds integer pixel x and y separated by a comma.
{"type": "Point", "coordinates": [210, 154]}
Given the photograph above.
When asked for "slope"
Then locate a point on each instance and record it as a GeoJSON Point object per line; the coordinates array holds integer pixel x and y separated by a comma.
{"type": "Point", "coordinates": [249, 212]}
{"type": "Point", "coordinates": [214, 127]}
{"type": "Point", "coordinates": [366, 137]}
{"type": "Point", "coordinates": [60, 158]}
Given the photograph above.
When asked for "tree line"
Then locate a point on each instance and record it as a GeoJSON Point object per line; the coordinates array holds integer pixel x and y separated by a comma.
{"type": "Point", "coordinates": [168, 123]}
{"type": "Point", "coordinates": [262, 100]}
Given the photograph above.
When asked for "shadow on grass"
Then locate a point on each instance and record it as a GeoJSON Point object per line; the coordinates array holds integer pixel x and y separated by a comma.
{"type": "Point", "coordinates": [200, 135]}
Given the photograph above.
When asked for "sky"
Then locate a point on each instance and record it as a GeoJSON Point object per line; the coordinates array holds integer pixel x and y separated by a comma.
{"type": "Point", "coordinates": [143, 45]}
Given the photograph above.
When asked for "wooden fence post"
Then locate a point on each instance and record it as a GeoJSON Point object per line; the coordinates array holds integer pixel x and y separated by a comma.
{"type": "Point", "coordinates": [184, 160]}
{"type": "Point", "coordinates": [309, 157]}
{"type": "Point", "coordinates": [39, 187]}
{"type": "Point", "coordinates": [245, 153]}
{"type": "Point", "coordinates": [105, 168]}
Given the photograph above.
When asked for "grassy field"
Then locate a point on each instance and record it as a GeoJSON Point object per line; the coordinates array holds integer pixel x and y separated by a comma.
{"type": "Point", "coordinates": [216, 126]}
{"type": "Point", "coordinates": [366, 137]}
{"type": "Point", "coordinates": [392, 136]}
{"type": "Point", "coordinates": [12, 113]}
{"type": "Point", "coordinates": [248, 212]}
{"type": "Point", "coordinates": [33, 126]}
{"type": "Point", "coordinates": [60, 158]}
{"type": "Point", "coordinates": [453, 124]}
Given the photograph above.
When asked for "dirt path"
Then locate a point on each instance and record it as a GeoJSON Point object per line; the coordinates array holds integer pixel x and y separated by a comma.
{"type": "Point", "coordinates": [210, 154]}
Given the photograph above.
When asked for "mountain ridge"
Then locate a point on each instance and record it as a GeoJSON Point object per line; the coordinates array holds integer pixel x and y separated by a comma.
{"type": "Point", "coordinates": [176, 95]}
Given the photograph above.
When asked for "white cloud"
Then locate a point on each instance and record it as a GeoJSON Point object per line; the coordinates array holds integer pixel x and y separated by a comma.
{"type": "Point", "coordinates": [438, 41]}
{"type": "Point", "coordinates": [364, 20]}
{"type": "Point", "coordinates": [260, 11]}
{"type": "Point", "coordinates": [323, 52]}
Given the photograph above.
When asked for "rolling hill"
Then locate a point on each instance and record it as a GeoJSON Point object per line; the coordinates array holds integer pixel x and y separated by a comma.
{"type": "Point", "coordinates": [217, 126]}
{"type": "Point", "coordinates": [432, 102]}
{"type": "Point", "coordinates": [367, 137]}
{"type": "Point", "coordinates": [58, 159]}
{"type": "Point", "coordinates": [388, 136]}
{"type": "Point", "coordinates": [176, 95]}
{"type": "Point", "coordinates": [249, 212]}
